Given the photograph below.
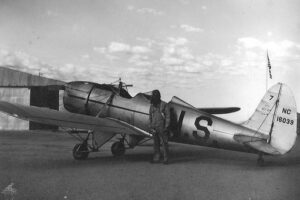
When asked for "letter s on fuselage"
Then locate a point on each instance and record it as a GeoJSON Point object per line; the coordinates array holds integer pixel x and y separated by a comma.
{"type": "Point", "coordinates": [192, 126]}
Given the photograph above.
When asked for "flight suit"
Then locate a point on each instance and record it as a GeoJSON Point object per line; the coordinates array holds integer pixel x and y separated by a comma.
{"type": "Point", "coordinates": [159, 121]}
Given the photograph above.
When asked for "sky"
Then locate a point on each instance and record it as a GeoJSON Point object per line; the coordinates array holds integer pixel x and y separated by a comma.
{"type": "Point", "coordinates": [210, 53]}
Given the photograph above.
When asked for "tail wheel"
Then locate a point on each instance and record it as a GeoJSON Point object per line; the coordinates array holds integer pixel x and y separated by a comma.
{"type": "Point", "coordinates": [260, 161]}
{"type": "Point", "coordinates": [80, 152]}
{"type": "Point", "coordinates": [118, 149]}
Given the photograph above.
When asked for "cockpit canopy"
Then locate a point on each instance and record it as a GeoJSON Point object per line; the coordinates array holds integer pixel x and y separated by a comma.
{"type": "Point", "coordinates": [121, 91]}
{"type": "Point", "coordinates": [85, 86]}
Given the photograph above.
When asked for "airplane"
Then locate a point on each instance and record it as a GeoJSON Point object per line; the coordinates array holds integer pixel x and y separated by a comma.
{"type": "Point", "coordinates": [96, 113]}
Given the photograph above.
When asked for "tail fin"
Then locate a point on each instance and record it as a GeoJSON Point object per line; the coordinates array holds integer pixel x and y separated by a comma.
{"type": "Point", "coordinates": [276, 116]}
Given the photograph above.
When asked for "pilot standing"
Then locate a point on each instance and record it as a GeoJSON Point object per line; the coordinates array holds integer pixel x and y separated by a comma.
{"type": "Point", "coordinates": [159, 117]}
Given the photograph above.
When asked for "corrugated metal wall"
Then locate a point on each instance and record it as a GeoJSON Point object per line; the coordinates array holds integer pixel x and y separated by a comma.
{"type": "Point", "coordinates": [14, 95]}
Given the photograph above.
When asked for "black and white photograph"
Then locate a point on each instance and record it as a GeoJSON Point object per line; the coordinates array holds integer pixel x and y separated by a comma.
{"type": "Point", "coordinates": [149, 99]}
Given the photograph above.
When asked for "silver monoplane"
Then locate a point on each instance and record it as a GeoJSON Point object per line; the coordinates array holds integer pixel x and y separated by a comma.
{"type": "Point", "coordinates": [98, 112]}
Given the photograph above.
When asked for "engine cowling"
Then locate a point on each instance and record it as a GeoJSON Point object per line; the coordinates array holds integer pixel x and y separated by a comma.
{"type": "Point", "coordinates": [86, 97]}
{"type": "Point", "coordinates": [76, 96]}
{"type": "Point", "coordinates": [89, 98]}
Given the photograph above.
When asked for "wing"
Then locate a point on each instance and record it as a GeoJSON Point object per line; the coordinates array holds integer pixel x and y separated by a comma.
{"type": "Point", "coordinates": [71, 120]}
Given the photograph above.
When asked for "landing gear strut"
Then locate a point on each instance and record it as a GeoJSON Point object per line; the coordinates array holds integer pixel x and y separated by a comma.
{"type": "Point", "coordinates": [118, 148]}
{"type": "Point", "coordinates": [260, 160]}
{"type": "Point", "coordinates": [81, 151]}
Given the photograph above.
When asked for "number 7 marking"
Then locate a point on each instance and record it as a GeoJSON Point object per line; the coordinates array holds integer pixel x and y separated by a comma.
{"type": "Point", "coordinates": [271, 97]}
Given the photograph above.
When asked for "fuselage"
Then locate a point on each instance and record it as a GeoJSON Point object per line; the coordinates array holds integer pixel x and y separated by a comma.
{"type": "Point", "coordinates": [188, 125]}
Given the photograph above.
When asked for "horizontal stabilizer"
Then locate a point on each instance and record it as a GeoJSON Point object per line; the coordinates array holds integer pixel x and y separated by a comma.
{"type": "Point", "coordinates": [216, 110]}
{"type": "Point", "coordinates": [223, 110]}
{"type": "Point", "coordinates": [257, 143]}
{"type": "Point", "coordinates": [179, 101]}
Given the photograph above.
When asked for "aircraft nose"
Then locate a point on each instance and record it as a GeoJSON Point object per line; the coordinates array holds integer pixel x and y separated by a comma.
{"type": "Point", "coordinates": [75, 96]}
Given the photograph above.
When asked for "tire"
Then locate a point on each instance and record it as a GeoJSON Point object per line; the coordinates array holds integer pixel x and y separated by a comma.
{"type": "Point", "coordinates": [80, 152]}
{"type": "Point", "coordinates": [118, 149]}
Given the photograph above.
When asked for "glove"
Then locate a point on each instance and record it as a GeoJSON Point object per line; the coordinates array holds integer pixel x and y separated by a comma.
{"type": "Point", "coordinates": [167, 132]}
{"type": "Point", "coordinates": [152, 131]}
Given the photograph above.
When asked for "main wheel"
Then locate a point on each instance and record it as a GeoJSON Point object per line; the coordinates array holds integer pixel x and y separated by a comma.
{"type": "Point", "coordinates": [118, 149]}
{"type": "Point", "coordinates": [80, 152]}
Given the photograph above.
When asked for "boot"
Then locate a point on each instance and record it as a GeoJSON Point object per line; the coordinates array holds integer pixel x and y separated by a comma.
{"type": "Point", "coordinates": [156, 158]}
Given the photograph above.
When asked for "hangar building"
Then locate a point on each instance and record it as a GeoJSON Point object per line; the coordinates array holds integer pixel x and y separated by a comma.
{"type": "Point", "coordinates": [24, 88]}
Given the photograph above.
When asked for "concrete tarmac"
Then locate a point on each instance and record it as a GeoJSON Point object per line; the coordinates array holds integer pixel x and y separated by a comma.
{"type": "Point", "coordinates": [41, 166]}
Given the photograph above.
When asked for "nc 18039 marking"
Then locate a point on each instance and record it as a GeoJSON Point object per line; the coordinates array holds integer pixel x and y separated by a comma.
{"type": "Point", "coordinates": [285, 120]}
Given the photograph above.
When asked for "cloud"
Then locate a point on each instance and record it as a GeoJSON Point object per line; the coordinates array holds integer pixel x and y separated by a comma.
{"type": "Point", "coordinates": [176, 51]}
{"type": "Point", "coordinates": [250, 42]}
{"type": "Point", "coordinates": [68, 68]}
{"type": "Point", "coordinates": [269, 33]}
{"type": "Point", "coordinates": [164, 62]}
{"type": "Point", "coordinates": [149, 11]}
{"type": "Point", "coordinates": [146, 65]}
{"type": "Point", "coordinates": [140, 60]}
{"type": "Point", "coordinates": [177, 57]}
{"type": "Point", "coordinates": [185, 2]}
{"type": "Point", "coordinates": [226, 62]}
{"type": "Point", "coordinates": [139, 49]}
{"type": "Point", "coordinates": [249, 57]}
{"type": "Point", "coordinates": [131, 8]}
{"type": "Point", "coordinates": [85, 56]}
{"type": "Point", "coordinates": [169, 60]}
{"type": "Point", "coordinates": [118, 47]}
{"type": "Point", "coordinates": [21, 60]}
{"type": "Point", "coordinates": [145, 10]}
{"type": "Point", "coordinates": [135, 54]}
{"type": "Point", "coordinates": [189, 28]}
{"type": "Point", "coordinates": [177, 41]}
{"type": "Point", "coordinates": [99, 49]}
{"type": "Point", "coordinates": [279, 48]}
{"type": "Point", "coordinates": [149, 42]}
{"type": "Point", "coordinates": [51, 13]}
